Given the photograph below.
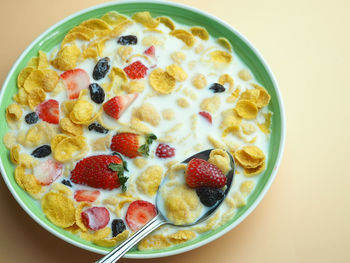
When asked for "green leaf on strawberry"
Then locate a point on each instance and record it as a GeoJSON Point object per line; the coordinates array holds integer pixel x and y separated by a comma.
{"type": "Point", "coordinates": [119, 168]}
{"type": "Point", "coordinates": [144, 149]}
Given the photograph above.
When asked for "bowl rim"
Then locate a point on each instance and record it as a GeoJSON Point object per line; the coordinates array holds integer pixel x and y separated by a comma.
{"type": "Point", "coordinates": [216, 235]}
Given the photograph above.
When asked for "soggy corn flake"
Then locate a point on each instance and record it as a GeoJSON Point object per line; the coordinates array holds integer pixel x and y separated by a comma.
{"type": "Point", "coordinates": [200, 32]}
{"type": "Point", "coordinates": [211, 104]}
{"type": "Point", "coordinates": [39, 133]}
{"type": "Point", "coordinates": [239, 200]}
{"type": "Point", "coordinates": [161, 81]}
{"type": "Point", "coordinates": [178, 57]}
{"type": "Point", "coordinates": [246, 187]}
{"type": "Point", "coordinates": [59, 209]}
{"type": "Point", "coordinates": [244, 75]}
{"type": "Point", "coordinates": [168, 114]}
{"type": "Point", "coordinates": [14, 153]}
{"type": "Point", "coordinates": [176, 72]}
{"type": "Point", "coordinates": [77, 215]}
{"type": "Point", "coordinates": [184, 35]}
{"type": "Point", "coordinates": [199, 81]}
{"type": "Point", "coordinates": [134, 86]}
{"type": "Point", "coordinates": [9, 140]}
{"type": "Point", "coordinates": [154, 241]}
{"type": "Point", "coordinates": [101, 144]}
{"type": "Point", "coordinates": [181, 236]}
{"type": "Point", "coordinates": [149, 181]}
{"type": "Point", "coordinates": [151, 40]}
{"type": "Point", "coordinates": [124, 52]}
{"type": "Point", "coordinates": [148, 113]}
{"type": "Point", "coordinates": [140, 162]}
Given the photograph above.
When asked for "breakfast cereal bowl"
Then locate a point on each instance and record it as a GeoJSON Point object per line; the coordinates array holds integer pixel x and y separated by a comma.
{"type": "Point", "coordinates": [257, 74]}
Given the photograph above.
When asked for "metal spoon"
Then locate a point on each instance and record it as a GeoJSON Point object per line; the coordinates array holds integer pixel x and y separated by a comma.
{"type": "Point", "coordinates": [161, 219]}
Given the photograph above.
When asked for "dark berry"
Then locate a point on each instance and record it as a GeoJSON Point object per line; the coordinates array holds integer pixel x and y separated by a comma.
{"type": "Point", "coordinates": [217, 88]}
{"type": "Point", "coordinates": [118, 227]}
{"type": "Point", "coordinates": [101, 68]}
{"type": "Point", "coordinates": [97, 93]}
{"type": "Point", "coordinates": [127, 40]}
{"type": "Point", "coordinates": [97, 128]}
{"type": "Point", "coordinates": [165, 151]}
{"type": "Point", "coordinates": [209, 196]}
{"type": "Point", "coordinates": [42, 151]}
{"type": "Point", "coordinates": [31, 118]}
{"type": "Point", "coordinates": [66, 182]}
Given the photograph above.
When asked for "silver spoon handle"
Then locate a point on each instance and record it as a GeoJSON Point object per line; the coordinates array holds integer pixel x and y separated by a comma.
{"type": "Point", "coordinates": [124, 247]}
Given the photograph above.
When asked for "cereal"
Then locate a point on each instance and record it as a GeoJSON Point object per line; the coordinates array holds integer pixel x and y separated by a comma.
{"type": "Point", "coordinates": [39, 134]}
{"type": "Point", "coordinates": [181, 236]}
{"type": "Point", "coordinates": [224, 43]}
{"type": "Point", "coordinates": [168, 114]}
{"type": "Point", "coordinates": [167, 22]}
{"type": "Point", "coordinates": [27, 181]}
{"type": "Point", "coordinates": [113, 18]}
{"type": "Point", "coordinates": [246, 187]}
{"type": "Point", "coordinates": [66, 58]}
{"type": "Point", "coordinates": [148, 113]}
{"type": "Point", "coordinates": [95, 24]}
{"type": "Point", "coordinates": [154, 242]}
{"type": "Point", "coordinates": [124, 52]}
{"type": "Point", "coordinates": [23, 75]}
{"type": "Point", "coordinates": [211, 104]}
{"type": "Point", "coordinates": [183, 35]}
{"type": "Point", "coordinates": [249, 172]}
{"type": "Point", "coordinates": [35, 97]}
{"type": "Point", "coordinates": [145, 19]}
{"type": "Point", "coordinates": [9, 140]}
{"type": "Point", "coordinates": [43, 63]}
{"type": "Point", "coordinates": [183, 102]}
{"type": "Point", "coordinates": [246, 109]}
{"type": "Point", "coordinates": [117, 72]}
{"type": "Point", "coordinates": [248, 128]}
{"type": "Point", "coordinates": [59, 209]}
{"type": "Point", "coordinates": [176, 72]}
{"type": "Point", "coordinates": [239, 200]}
{"type": "Point", "coordinates": [113, 241]}
{"type": "Point", "coordinates": [178, 57]}
{"type": "Point", "coordinates": [101, 144]}
{"type": "Point", "coordinates": [149, 181]}
{"type": "Point", "coordinates": [265, 126]}
{"type": "Point", "coordinates": [220, 56]}
{"type": "Point", "coordinates": [250, 156]}
{"type": "Point", "coordinates": [200, 32]}
{"type": "Point", "coordinates": [82, 112]}
{"type": "Point", "coordinates": [135, 86]}
{"type": "Point", "coordinates": [199, 81]}
{"type": "Point", "coordinates": [161, 81]}
{"type": "Point", "coordinates": [140, 162]}
{"type": "Point", "coordinates": [71, 148]}
{"type": "Point", "coordinates": [216, 143]}
{"type": "Point", "coordinates": [13, 112]}
{"type": "Point", "coordinates": [226, 78]}
{"type": "Point", "coordinates": [244, 75]}
{"type": "Point", "coordinates": [151, 40]}
{"type": "Point", "coordinates": [70, 127]}
{"type": "Point", "coordinates": [221, 159]}
{"type": "Point", "coordinates": [50, 80]}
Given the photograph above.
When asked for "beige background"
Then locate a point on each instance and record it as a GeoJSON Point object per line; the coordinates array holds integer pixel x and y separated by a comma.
{"type": "Point", "coordinates": [305, 216]}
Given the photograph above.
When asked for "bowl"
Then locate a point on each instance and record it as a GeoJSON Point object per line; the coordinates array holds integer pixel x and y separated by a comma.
{"type": "Point", "coordinates": [185, 15]}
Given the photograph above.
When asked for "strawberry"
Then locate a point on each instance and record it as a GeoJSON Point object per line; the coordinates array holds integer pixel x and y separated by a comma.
{"type": "Point", "coordinates": [139, 213]}
{"type": "Point", "coordinates": [86, 195]}
{"type": "Point", "coordinates": [202, 173]}
{"type": "Point", "coordinates": [100, 171]}
{"type": "Point", "coordinates": [151, 51]}
{"type": "Point", "coordinates": [47, 171]}
{"type": "Point", "coordinates": [95, 218]}
{"type": "Point", "coordinates": [131, 144]}
{"type": "Point", "coordinates": [118, 104]}
{"type": "Point", "coordinates": [75, 81]}
{"type": "Point", "coordinates": [165, 151]}
{"type": "Point", "coordinates": [206, 115]}
{"type": "Point", "coordinates": [49, 111]}
{"type": "Point", "coordinates": [136, 70]}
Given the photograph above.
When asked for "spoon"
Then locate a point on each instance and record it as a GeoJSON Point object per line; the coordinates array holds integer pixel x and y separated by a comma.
{"type": "Point", "coordinates": [161, 219]}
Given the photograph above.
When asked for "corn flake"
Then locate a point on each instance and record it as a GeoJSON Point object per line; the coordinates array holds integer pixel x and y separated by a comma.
{"type": "Point", "coordinates": [166, 21]}
{"type": "Point", "coordinates": [97, 235]}
{"type": "Point", "coordinates": [145, 19]}
{"type": "Point", "coordinates": [246, 187]}
{"type": "Point", "coordinates": [23, 75]}
{"type": "Point", "coordinates": [178, 57]}
{"type": "Point", "coordinates": [113, 241]}
{"type": "Point", "coordinates": [211, 104]}
{"type": "Point", "coordinates": [185, 36]}
{"type": "Point", "coordinates": [244, 75]}
{"type": "Point", "coordinates": [161, 81]}
{"type": "Point", "coordinates": [59, 209]}
{"type": "Point", "coordinates": [14, 153]}
{"type": "Point", "coordinates": [70, 127]}
{"type": "Point", "coordinates": [9, 140]}
{"type": "Point", "coordinates": [224, 43]}
{"type": "Point", "coordinates": [43, 63]}
{"type": "Point", "coordinates": [221, 159]}
{"type": "Point", "coordinates": [265, 126]}
{"type": "Point", "coordinates": [13, 112]}
{"type": "Point", "coordinates": [95, 24]}
{"type": "Point", "coordinates": [87, 32]}
{"type": "Point", "coordinates": [66, 58]}
{"type": "Point", "coordinates": [181, 236]}
{"type": "Point", "coordinates": [134, 86]}
{"type": "Point", "coordinates": [250, 156]}
{"type": "Point", "coordinates": [82, 112]}
{"type": "Point", "coordinates": [71, 148]}
{"type": "Point", "coordinates": [246, 109]}
{"type": "Point", "coordinates": [200, 32]}
{"type": "Point", "coordinates": [149, 181]}
{"type": "Point", "coordinates": [176, 72]}
{"type": "Point", "coordinates": [226, 78]}
{"type": "Point", "coordinates": [77, 215]}
{"type": "Point", "coordinates": [155, 241]}
{"type": "Point", "coordinates": [220, 56]}
{"type": "Point", "coordinates": [148, 113]}
{"type": "Point", "coordinates": [50, 80]}
{"type": "Point", "coordinates": [113, 18]}
{"type": "Point", "coordinates": [249, 172]}
{"type": "Point", "coordinates": [199, 81]}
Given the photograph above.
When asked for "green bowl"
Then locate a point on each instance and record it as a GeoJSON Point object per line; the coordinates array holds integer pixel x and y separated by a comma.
{"type": "Point", "coordinates": [185, 15]}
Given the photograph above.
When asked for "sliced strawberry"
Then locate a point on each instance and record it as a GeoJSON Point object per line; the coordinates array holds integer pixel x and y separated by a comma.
{"type": "Point", "coordinates": [151, 51]}
{"type": "Point", "coordinates": [206, 115]}
{"type": "Point", "coordinates": [118, 104]}
{"type": "Point", "coordinates": [86, 195]}
{"type": "Point", "coordinates": [139, 213]}
{"type": "Point", "coordinates": [136, 70]}
{"type": "Point", "coordinates": [47, 171]}
{"type": "Point", "coordinates": [95, 218]}
{"type": "Point", "coordinates": [75, 81]}
{"type": "Point", "coordinates": [49, 111]}
{"type": "Point", "coordinates": [202, 173]}
{"type": "Point", "coordinates": [165, 151]}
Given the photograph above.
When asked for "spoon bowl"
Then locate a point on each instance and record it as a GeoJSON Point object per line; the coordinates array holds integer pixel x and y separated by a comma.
{"type": "Point", "coordinates": [160, 219]}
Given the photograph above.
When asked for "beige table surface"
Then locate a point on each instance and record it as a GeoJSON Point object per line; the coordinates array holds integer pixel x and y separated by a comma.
{"type": "Point", "coordinates": [305, 216]}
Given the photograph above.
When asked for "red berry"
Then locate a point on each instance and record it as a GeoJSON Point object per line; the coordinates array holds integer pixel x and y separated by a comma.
{"type": "Point", "coordinates": [75, 81]}
{"type": "Point", "coordinates": [95, 218]}
{"type": "Point", "coordinates": [136, 70]}
{"type": "Point", "coordinates": [49, 111]}
{"type": "Point", "coordinates": [206, 115]}
{"type": "Point", "coordinates": [86, 195]}
{"type": "Point", "coordinates": [118, 104]}
{"type": "Point", "coordinates": [127, 144]}
{"type": "Point", "coordinates": [165, 151]}
{"type": "Point", "coordinates": [95, 171]}
{"type": "Point", "coordinates": [48, 171]}
{"type": "Point", "coordinates": [151, 51]}
{"type": "Point", "coordinates": [202, 173]}
{"type": "Point", "coordinates": [139, 213]}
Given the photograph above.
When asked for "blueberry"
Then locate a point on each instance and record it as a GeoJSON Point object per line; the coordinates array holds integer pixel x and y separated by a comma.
{"type": "Point", "coordinates": [31, 118]}
{"type": "Point", "coordinates": [209, 196]}
{"type": "Point", "coordinates": [42, 151]}
{"type": "Point", "coordinates": [66, 182]}
{"type": "Point", "coordinates": [97, 128]}
{"type": "Point", "coordinates": [127, 40]}
{"type": "Point", "coordinates": [217, 88]}
{"type": "Point", "coordinates": [118, 227]}
{"type": "Point", "coordinates": [97, 93]}
{"type": "Point", "coordinates": [101, 68]}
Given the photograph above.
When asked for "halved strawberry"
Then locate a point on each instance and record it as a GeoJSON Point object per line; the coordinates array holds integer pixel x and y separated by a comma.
{"type": "Point", "coordinates": [118, 104]}
{"type": "Point", "coordinates": [151, 51]}
{"type": "Point", "coordinates": [75, 80]}
{"type": "Point", "coordinates": [49, 111]}
{"type": "Point", "coordinates": [202, 173]}
{"type": "Point", "coordinates": [131, 144]}
{"type": "Point", "coordinates": [95, 218]}
{"type": "Point", "coordinates": [47, 171]}
{"type": "Point", "coordinates": [86, 195]}
{"type": "Point", "coordinates": [136, 70]}
{"type": "Point", "coordinates": [206, 115]}
{"type": "Point", "coordinates": [139, 213]}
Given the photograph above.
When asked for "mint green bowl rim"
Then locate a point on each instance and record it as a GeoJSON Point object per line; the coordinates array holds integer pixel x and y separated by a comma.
{"type": "Point", "coordinates": [193, 245]}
